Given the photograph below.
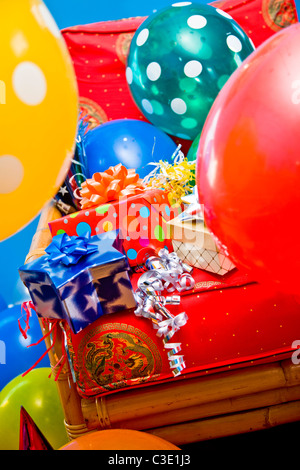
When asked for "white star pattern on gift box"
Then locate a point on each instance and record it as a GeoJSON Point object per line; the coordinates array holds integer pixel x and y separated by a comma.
{"type": "Point", "coordinates": [63, 190]}
{"type": "Point", "coordinates": [46, 307]}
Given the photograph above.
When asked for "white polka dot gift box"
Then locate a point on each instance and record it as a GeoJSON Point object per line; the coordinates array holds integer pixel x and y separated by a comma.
{"type": "Point", "coordinates": [142, 220]}
{"type": "Point", "coordinates": [79, 279]}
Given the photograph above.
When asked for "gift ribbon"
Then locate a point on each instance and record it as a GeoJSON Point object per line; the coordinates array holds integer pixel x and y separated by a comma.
{"type": "Point", "coordinates": [110, 185]}
{"type": "Point", "coordinates": [177, 178]}
{"type": "Point", "coordinates": [168, 328]}
{"type": "Point", "coordinates": [168, 272]}
{"type": "Point", "coordinates": [166, 324]}
{"type": "Point", "coordinates": [165, 272]}
{"type": "Point", "coordinates": [27, 306]}
{"type": "Point", "coordinates": [69, 250]}
{"type": "Point", "coordinates": [67, 354]}
{"type": "Point", "coordinates": [195, 210]}
{"type": "Point", "coordinates": [176, 361]}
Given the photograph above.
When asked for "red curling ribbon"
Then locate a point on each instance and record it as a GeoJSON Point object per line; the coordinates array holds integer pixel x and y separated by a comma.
{"type": "Point", "coordinates": [28, 306]}
{"type": "Point", "coordinates": [109, 185]}
{"type": "Point", "coordinates": [61, 362]}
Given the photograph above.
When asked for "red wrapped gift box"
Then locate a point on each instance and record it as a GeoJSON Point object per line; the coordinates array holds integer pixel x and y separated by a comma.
{"type": "Point", "coordinates": [232, 322]}
{"type": "Point", "coordinates": [141, 219]}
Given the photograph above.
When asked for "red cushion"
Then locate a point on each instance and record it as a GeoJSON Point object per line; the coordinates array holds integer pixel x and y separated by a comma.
{"type": "Point", "coordinates": [232, 323]}
{"type": "Point", "coordinates": [260, 19]}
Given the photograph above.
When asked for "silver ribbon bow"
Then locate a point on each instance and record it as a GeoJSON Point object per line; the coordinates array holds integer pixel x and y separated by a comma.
{"type": "Point", "coordinates": [166, 272]}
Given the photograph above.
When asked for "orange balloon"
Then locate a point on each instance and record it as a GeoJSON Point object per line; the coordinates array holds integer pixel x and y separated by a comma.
{"type": "Point", "coordinates": [119, 439]}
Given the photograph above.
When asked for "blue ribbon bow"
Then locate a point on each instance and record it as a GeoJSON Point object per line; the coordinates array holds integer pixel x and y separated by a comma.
{"type": "Point", "coordinates": [69, 250]}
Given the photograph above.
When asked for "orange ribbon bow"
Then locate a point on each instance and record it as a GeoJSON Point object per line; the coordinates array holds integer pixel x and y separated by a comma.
{"type": "Point", "coordinates": [109, 185]}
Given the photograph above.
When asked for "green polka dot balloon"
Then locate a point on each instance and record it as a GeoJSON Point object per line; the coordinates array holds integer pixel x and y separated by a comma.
{"type": "Point", "coordinates": [179, 59]}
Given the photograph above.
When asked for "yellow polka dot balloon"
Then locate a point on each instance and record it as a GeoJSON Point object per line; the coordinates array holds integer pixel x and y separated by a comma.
{"type": "Point", "coordinates": [38, 111]}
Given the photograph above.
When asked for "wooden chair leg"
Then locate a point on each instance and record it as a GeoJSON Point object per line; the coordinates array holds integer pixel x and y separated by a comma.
{"type": "Point", "coordinates": [70, 400]}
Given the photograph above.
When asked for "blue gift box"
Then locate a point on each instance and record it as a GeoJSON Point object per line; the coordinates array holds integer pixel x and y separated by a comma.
{"type": "Point", "coordinates": [80, 279]}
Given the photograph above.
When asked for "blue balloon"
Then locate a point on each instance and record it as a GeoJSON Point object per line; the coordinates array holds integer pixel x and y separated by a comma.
{"type": "Point", "coordinates": [15, 355]}
{"type": "Point", "coordinates": [130, 142]}
{"type": "Point", "coordinates": [13, 252]}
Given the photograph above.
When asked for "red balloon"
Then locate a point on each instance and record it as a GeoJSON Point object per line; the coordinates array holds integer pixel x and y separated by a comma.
{"type": "Point", "coordinates": [248, 163]}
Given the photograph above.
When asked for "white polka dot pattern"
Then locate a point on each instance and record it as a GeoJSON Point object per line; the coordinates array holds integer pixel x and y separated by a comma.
{"type": "Point", "coordinates": [178, 105]}
{"type": "Point", "coordinates": [49, 21]}
{"type": "Point", "coordinates": [193, 68]}
{"type": "Point", "coordinates": [29, 83]}
{"type": "Point", "coordinates": [234, 43]}
{"type": "Point", "coordinates": [153, 71]}
{"type": "Point", "coordinates": [129, 75]}
{"type": "Point", "coordinates": [224, 13]}
{"type": "Point", "coordinates": [197, 21]}
{"type": "Point", "coordinates": [142, 37]}
{"type": "Point", "coordinates": [11, 173]}
{"type": "Point", "coordinates": [147, 106]}
{"type": "Point", "coordinates": [181, 4]}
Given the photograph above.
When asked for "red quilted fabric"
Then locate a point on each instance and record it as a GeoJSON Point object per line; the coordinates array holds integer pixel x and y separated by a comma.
{"type": "Point", "coordinates": [232, 322]}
